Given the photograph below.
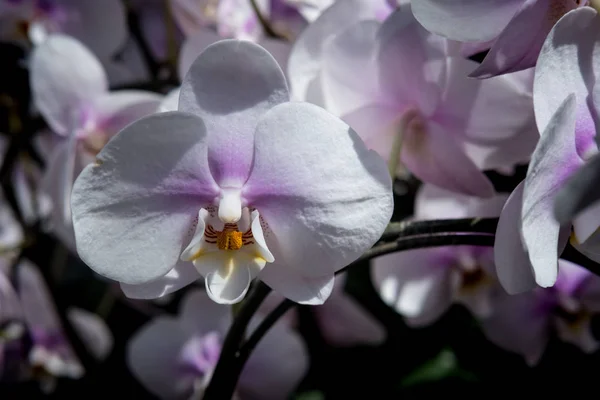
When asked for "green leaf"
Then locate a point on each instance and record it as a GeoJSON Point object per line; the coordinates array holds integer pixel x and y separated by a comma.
{"type": "Point", "coordinates": [312, 395]}
{"type": "Point", "coordinates": [443, 366]}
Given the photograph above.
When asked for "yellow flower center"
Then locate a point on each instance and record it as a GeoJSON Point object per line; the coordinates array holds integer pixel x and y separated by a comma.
{"type": "Point", "coordinates": [229, 240]}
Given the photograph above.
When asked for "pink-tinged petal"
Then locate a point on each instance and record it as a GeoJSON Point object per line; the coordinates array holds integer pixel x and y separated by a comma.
{"type": "Point", "coordinates": [153, 358]}
{"type": "Point", "coordinates": [57, 183]}
{"type": "Point", "coordinates": [578, 193]}
{"type": "Point", "coordinates": [513, 267]}
{"type": "Point", "coordinates": [51, 350]}
{"type": "Point", "coordinates": [521, 324]}
{"type": "Point", "coordinates": [191, 15]}
{"type": "Point", "coordinates": [193, 46]}
{"type": "Point", "coordinates": [553, 159]}
{"type": "Point", "coordinates": [411, 62]}
{"type": "Point", "coordinates": [306, 57]}
{"type": "Point", "coordinates": [36, 302]}
{"type": "Point", "coordinates": [93, 331]}
{"type": "Point", "coordinates": [505, 154]}
{"type": "Point", "coordinates": [433, 202]}
{"type": "Point", "coordinates": [212, 318]}
{"type": "Point", "coordinates": [436, 157]}
{"type": "Point", "coordinates": [10, 307]}
{"type": "Point", "coordinates": [567, 64]}
{"type": "Point", "coordinates": [276, 366]}
{"type": "Point", "coordinates": [155, 25]}
{"type": "Point", "coordinates": [477, 108]}
{"type": "Point", "coordinates": [295, 286]}
{"type": "Point", "coordinates": [353, 50]}
{"type": "Point", "coordinates": [180, 276]}
{"type": "Point", "coordinates": [11, 233]}
{"type": "Point", "coordinates": [415, 283]}
{"type": "Point", "coordinates": [64, 76]}
{"type": "Point", "coordinates": [116, 110]}
{"type": "Point", "coordinates": [587, 222]}
{"type": "Point", "coordinates": [343, 321]}
{"type": "Point", "coordinates": [237, 19]}
{"type": "Point", "coordinates": [65, 163]}
{"type": "Point", "coordinates": [101, 26]}
{"type": "Point", "coordinates": [571, 277]}
{"type": "Point", "coordinates": [140, 199]}
{"type": "Point", "coordinates": [317, 226]}
{"type": "Point", "coordinates": [231, 85]}
{"type": "Point", "coordinates": [465, 20]}
{"type": "Point", "coordinates": [518, 45]}
{"type": "Point", "coordinates": [377, 125]}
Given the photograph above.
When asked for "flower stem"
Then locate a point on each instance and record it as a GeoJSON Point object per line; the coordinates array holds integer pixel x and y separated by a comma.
{"type": "Point", "coordinates": [398, 236]}
{"type": "Point", "coordinates": [396, 150]}
{"type": "Point", "coordinates": [228, 368]}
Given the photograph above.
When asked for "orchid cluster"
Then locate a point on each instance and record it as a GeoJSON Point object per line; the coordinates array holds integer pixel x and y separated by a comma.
{"type": "Point", "coordinates": [215, 198]}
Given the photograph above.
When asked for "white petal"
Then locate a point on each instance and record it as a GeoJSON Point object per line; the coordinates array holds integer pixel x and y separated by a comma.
{"type": "Point", "coordinates": [64, 76]}
{"type": "Point", "coordinates": [543, 236]}
{"type": "Point", "coordinates": [317, 223]}
{"type": "Point", "coordinates": [306, 56]}
{"type": "Point", "coordinates": [231, 85]}
{"type": "Point", "coordinates": [141, 198]}
{"type": "Point", "coordinates": [513, 267]}
{"type": "Point", "coordinates": [93, 331]}
{"type": "Point", "coordinates": [465, 20]}
{"type": "Point", "coordinates": [152, 357]}
{"type": "Point", "coordinates": [567, 63]}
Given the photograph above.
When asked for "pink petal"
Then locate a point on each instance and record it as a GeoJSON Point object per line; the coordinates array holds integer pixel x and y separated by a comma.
{"type": "Point", "coordinates": [553, 160]}
{"type": "Point", "coordinates": [231, 85]}
{"type": "Point", "coordinates": [436, 157]}
{"type": "Point", "coordinates": [518, 45]}
{"type": "Point", "coordinates": [64, 76]}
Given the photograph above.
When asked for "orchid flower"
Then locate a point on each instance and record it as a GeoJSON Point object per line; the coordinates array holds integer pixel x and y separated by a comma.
{"type": "Point", "coordinates": [238, 183]}
{"type": "Point", "coordinates": [51, 353]}
{"type": "Point", "coordinates": [33, 205]}
{"type": "Point", "coordinates": [578, 199]}
{"type": "Point", "coordinates": [11, 233]}
{"type": "Point", "coordinates": [513, 30]}
{"type": "Point", "coordinates": [422, 284]}
{"type": "Point", "coordinates": [100, 25]}
{"type": "Point", "coordinates": [11, 321]}
{"type": "Point", "coordinates": [237, 18]}
{"type": "Point", "coordinates": [342, 320]}
{"type": "Point", "coordinates": [565, 117]}
{"type": "Point", "coordinates": [70, 90]}
{"type": "Point", "coordinates": [410, 86]}
{"type": "Point", "coordinates": [174, 357]}
{"type": "Point", "coordinates": [307, 56]}
{"type": "Point", "coordinates": [524, 323]}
